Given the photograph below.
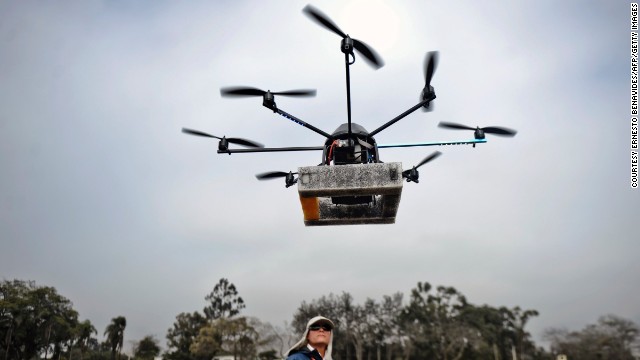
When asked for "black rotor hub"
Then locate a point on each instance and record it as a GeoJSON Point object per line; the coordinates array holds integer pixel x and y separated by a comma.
{"type": "Point", "coordinates": [346, 46]}
{"type": "Point", "coordinates": [269, 101]}
{"type": "Point", "coordinates": [290, 179]}
{"type": "Point", "coordinates": [223, 145]}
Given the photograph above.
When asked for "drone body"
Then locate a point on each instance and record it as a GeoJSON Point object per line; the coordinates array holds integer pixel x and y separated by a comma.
{"type": "Point", "coordinates": [351, 185]}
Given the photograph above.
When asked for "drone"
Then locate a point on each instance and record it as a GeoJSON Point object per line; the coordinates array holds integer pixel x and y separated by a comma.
{"type": "Point", "coordinates": [351, 185]}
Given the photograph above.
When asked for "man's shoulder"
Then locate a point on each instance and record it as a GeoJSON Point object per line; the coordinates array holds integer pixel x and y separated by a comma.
{"type": "Point", "coordinates": [298, 356]}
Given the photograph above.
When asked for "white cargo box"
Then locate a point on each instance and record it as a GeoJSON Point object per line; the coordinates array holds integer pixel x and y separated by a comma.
{"type": "Point", "coordinates": [324, 190]}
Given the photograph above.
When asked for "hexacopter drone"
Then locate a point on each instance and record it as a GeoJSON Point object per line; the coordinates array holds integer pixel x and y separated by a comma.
{"type": "Point", "coordinates": [351, 185]}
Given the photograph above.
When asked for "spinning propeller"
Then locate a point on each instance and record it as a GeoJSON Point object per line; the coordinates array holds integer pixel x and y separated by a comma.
{"type": "Point", "coordinates": [348, 43]}
{"type": "Point", "coordinates": [251, 91]}
{"type": "Point", "coordinates": [289, 178]}
{"type": "Point", "coordinates": [223, 145]}
{"type": "Point", "coordinates": [478, 131]}
{"type": "Point", "coordinates": [430, 63]}
{"type": "Point", "coordinates": [267, 96]}
{"type": "Point", "coordinates": [413, 174]}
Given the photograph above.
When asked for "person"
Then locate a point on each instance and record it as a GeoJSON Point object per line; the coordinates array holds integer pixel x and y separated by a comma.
{"type": "Point", "coordinates": [316, 342]}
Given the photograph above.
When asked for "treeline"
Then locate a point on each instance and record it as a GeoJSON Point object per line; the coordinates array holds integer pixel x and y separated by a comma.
{"type": "Point", "coordinates": [36, 322]}
{"type": "Point", "coordinates": [433, 323]}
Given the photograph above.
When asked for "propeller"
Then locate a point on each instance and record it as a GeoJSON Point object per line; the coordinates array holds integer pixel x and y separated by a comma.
{"type": "Point", "coordinates": [430, 64]}
{"type": "Point", "coordinates": [251, 91]}
{"type": "Point", "coordinates": [223, 139]}
{"type": "Point", "coordinates": [479, 132]}
{"type": "Point", "coordinates": [413, 174]}
{"type": "Point", "coordinates": [289, 178]}
{"type": "Point", "coordinates": [348, 43]}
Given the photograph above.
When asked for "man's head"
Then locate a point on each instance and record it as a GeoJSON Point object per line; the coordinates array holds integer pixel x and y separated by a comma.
{"type": "Point", "coordinates": [319, 332]}
{"type": "Point", "coordinates": [319, 335]}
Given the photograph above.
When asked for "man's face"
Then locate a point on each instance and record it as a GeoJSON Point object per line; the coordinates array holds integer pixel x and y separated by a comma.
{"type": "Point", "coordinates": [319, 335]}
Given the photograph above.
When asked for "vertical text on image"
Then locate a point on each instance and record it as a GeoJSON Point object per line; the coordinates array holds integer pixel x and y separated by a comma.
{"type": "Point", "coordinates": [634, 107]}
{"type": "Point", "coordinates": [634, 132]}
{"type": "Point", "coordinates": [634, 16]}
{"type": "Point", "coordinates": [634, 73]}
{"type": "Point", "coordinates": [634, 169]}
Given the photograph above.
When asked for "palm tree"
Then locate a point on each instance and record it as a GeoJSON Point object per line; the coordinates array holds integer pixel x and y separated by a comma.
{"type": "Point", "coordinates": [115, 335]}
{"type": "Point", "coordinates": [84, 331]}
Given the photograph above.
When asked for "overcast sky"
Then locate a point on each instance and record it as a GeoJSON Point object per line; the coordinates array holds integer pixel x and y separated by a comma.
{"type": "Point", "coordinates": [103, 198]}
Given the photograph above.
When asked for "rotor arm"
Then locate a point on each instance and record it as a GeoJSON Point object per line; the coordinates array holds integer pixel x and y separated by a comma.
{"type": "Point", "coordinates": [404, 114]}
{"type": "Point", "coordinates": [254, 150]}
{"type": "Point", "coordinates": [302, 123]}
{"type": "Point", "coordinates": [439, 143]}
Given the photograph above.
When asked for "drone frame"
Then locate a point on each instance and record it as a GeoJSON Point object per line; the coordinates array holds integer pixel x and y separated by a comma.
{"type": "Point", "coordinates": [342, 145]}
{"type": "Point", "coordinates": [375, 196]}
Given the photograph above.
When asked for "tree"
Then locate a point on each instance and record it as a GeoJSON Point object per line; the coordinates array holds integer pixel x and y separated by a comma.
{"type": "Point", "coordinates": [381, 325]}
{"type": "Point", "coordinates": [611, 338]}
{"type": "Point", "coordinates": [115, 335]}
{"type": "Point", "coordinates": [496, 336]}
{"type": "Point", "coordinates": [437, 323]}
{"type": "Point", "coordinates": [361, 330]}
{"type": "Point", "coordinates": [83, 335]}
{"type": "Point", "coordinates": [522, 339]}
{"type": "Point", "coordinates": [233, 336]}
{"type": "Point", "coordinates": [434, 322]}
{"type": "Point", "coordinates": [238, 337]}
{"type": "Point", "coordinates": [224, 301]}
{"type": "Point", "coordinates": [147, 348]}
{"type": "Point", "coordinates": [208, 343]}
{"type": "Point", "coordinates": [269, 340]}
{"type": "Point", "coordinates": [184, 332]}
{"type": "Point", "coordinates": [332, 307]}
{"type": "Point", "coordinates": [197, 337]}
{"type": "Point", "coordinates": [34, 320]}
{"type": "Point", "coordinates": [352, 316]}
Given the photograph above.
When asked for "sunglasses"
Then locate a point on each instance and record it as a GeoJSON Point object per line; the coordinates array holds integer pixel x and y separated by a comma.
{"type": "Point", "coordinates": [318, 327]}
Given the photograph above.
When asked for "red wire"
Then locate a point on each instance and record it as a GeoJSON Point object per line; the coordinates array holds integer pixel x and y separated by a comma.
{"type": "Point", "coordinates": [333, 144]}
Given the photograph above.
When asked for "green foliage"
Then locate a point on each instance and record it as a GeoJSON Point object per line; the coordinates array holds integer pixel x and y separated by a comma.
{"type": "Point", "coordinates": [183, 333]}
{"type": "Point", "coordinates": [436, 324]}
{"type": "Point", "coordinates": [147, 348]}
{"type": "Point", "coordinates": [115, 335]}
{"type": "Point", "coordinates": [208, 343]}
{"type": "Point", "coordinates": [358, 328]}
{"type": "Point", "coordinates": [224, 301]}
{"type": "Point", "coordinates": [84, 337]}
{"type": "Point", "coordinates": [35, 320]}
{"type": "Point", "coordinates": [197, 337]}
{"type": "Point", "coordinates": [229, 336]}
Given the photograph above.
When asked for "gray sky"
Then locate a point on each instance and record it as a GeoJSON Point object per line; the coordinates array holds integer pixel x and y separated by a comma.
{"type": "Point", "coordinates": [102, 197]}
